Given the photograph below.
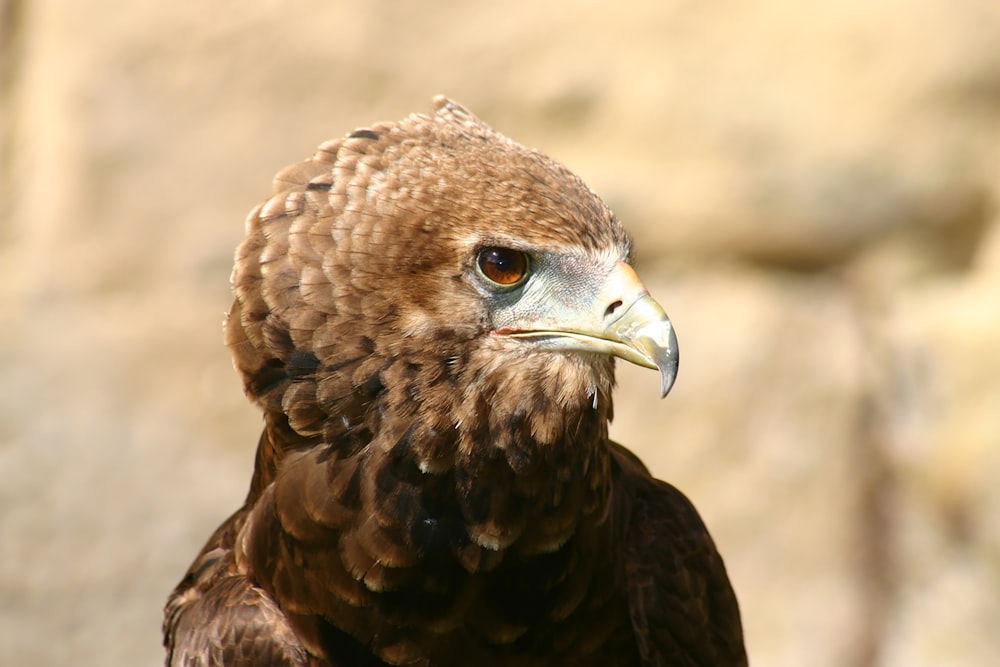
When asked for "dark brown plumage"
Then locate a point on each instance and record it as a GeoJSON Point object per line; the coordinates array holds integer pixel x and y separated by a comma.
{"type": "Point", "coordinates": [427, 314]}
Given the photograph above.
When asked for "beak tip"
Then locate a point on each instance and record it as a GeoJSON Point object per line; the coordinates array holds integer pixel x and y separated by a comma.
{"type": "Point", "coordinates": [646, 330]}
{"type": "Point", "coordinates": [668, 373]}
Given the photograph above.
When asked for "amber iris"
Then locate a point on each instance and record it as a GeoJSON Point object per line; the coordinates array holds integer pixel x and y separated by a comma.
{"type": "Point", "coordinates": [503, 266]}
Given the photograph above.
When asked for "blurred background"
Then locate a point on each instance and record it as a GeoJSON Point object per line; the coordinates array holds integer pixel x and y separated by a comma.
{"type": "Point", "coordinates": [814, 192]}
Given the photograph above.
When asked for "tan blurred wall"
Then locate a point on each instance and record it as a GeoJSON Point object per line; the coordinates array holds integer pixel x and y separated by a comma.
{"type": "Point", "coordinates": [813, 188]}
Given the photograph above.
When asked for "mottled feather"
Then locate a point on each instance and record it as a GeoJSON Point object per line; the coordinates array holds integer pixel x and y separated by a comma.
{"type": "Point", "coordinates": [429, 490]}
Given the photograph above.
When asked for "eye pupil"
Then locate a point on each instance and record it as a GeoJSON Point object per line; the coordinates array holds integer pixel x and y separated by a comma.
{"type": "Point", "coordinates": [503, 265]}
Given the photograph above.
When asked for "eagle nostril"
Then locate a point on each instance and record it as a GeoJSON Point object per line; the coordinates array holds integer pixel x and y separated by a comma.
{"type": "Point", "coordinates": [615, 305]}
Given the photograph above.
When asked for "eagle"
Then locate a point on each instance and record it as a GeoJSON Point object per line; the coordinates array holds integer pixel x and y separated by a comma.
{"type": "Point", "coordinates": [427, 313]}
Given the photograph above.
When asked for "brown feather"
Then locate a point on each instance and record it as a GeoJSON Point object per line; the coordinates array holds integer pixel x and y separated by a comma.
{"type": "Point", "coordinates": [425, 492]}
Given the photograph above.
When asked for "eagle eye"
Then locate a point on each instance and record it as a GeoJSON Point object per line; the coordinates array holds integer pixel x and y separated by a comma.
{"type": "Point", "coordinates": [503, 266]}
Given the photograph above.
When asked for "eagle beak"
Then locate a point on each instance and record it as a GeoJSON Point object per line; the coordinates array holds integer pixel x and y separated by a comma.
{"type": "Point", "coordinates": [647, 338]}
{"type": "Point", "coordinates": [621, 319]}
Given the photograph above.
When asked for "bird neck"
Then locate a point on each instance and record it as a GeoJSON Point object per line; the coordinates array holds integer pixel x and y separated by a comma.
{"type": "Point", "coordinates": [498, 467]}
{"type": "Point", "coordinates": [473, 516]}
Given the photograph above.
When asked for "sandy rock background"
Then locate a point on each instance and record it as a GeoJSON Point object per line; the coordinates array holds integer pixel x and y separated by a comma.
{"type": "Point", "coordinates": [815, 196]}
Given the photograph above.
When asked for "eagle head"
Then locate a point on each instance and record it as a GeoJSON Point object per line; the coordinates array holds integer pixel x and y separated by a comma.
{"type": "Point", "coordinates": [431, 288]}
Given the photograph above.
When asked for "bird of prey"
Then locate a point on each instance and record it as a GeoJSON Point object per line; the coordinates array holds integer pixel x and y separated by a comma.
{"type": "Point", "coordinates": [427, 313]}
